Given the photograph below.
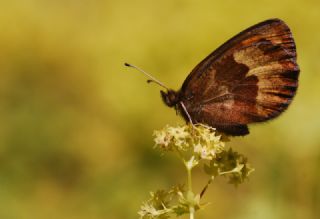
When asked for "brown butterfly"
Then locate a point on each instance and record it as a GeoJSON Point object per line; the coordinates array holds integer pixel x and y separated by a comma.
{"type": "Point", "coordinates": [250, 78]}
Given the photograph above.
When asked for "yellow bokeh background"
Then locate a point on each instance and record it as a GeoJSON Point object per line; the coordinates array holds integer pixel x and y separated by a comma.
{"type": "Point", "coordinates": [76, 125]}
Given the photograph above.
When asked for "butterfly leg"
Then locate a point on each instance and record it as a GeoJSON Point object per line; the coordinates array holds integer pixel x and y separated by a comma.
{"type": "Point", "coordinates": [186, 111]}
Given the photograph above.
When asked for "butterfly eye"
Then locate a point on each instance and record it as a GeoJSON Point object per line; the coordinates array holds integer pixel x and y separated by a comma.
{"type": "Point", "coordinates": [170, 98]}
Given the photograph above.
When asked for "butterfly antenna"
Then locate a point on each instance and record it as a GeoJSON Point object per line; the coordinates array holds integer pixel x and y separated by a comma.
{"type": "Point", "coordinates": [153, 79]}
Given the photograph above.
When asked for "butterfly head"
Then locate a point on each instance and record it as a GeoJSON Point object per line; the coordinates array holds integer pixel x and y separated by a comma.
{"type": "Point", "coordinates": [170, 98]}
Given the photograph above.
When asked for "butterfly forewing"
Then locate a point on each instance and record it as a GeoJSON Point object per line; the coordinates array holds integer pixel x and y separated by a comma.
{"type": "Point", "coordinates": [250, 78]}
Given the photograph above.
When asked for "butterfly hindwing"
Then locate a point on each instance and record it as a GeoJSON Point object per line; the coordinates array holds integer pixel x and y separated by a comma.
{"type": "Point", "coordinates": [250, 78]}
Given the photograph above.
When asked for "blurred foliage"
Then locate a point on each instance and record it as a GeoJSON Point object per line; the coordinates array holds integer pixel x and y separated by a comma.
{"type": "Point", "coordinates": [76, 126]}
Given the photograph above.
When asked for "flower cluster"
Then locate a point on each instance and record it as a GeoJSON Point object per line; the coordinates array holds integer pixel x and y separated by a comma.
{"type": "Point", "coordinates": [230, 164]}
{"type": "Point", "coordinates": [192, 144]}
{"type": "Point", "coordinates": [172, 138]}
{"type": "Point", "coordinates": [201, 140]}
{"type": "Point", "coordinates": [162, 203]}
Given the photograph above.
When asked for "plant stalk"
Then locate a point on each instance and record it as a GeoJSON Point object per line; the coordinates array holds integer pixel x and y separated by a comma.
{"type": "Point", "coordinates": [191, 209]}
{"type": "Point", "coordinates": [189, 181]}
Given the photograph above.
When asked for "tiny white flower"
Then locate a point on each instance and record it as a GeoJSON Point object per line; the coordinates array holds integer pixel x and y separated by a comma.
{"type": "Point", "coordinates": [162, 139]}
{"type": "Point", "coordinates": [178, 132]}
{"type": "Point", "coordinates": [197, 148]}
{"type": "Point", "coordinates": [149, 211]}
{"type": "Point", "coordinates": [191, 163]}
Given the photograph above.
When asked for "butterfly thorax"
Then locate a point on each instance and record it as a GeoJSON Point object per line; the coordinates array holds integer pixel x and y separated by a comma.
{"type": "Point", "coordinates": [171, 98]}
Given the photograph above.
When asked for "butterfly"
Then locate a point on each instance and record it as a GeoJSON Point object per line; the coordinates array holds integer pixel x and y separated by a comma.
{"type": "Point", "coordinates": [251, 78]}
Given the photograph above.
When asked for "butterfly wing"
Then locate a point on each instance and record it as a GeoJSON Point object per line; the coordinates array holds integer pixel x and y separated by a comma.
{"type": "Point", "coordinates": [250, 78]}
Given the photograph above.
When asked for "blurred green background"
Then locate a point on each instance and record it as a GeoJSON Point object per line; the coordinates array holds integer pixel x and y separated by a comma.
{"type": "Point", "coordinates": [76, 126]}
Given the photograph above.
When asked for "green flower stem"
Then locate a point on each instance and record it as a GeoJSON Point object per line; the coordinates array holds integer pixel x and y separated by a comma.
{"type": "Point", "coordinates": [191, 209]}
{"type": "Point", "coordinates": [206, 186]}
{"type": "Point", "coordinates": [189, 167]}
{"type": "Point", "coordinates": [189, 179]}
